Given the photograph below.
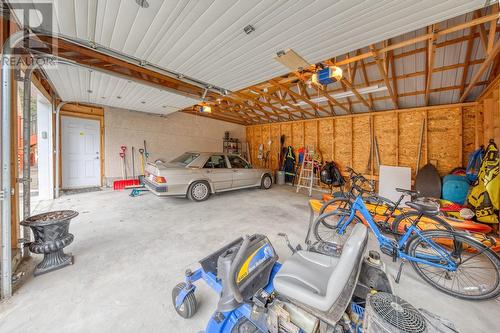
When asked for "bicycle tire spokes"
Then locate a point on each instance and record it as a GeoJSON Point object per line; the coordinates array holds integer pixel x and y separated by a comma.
{"type": "Point", "coordinates": [471, 275]}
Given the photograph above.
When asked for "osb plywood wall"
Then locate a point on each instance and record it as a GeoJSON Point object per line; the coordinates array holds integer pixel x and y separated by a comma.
{"type": "Point", "coordinates": [449, 133]}
{"type": "Point", "coordinates": [489, 114]}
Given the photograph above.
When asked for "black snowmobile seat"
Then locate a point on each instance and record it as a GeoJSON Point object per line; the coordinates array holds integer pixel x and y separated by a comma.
{"type": "Point", "coordinates": [424, 206]}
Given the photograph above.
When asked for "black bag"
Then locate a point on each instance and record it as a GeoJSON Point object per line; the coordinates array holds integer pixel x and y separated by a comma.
{"type": "Point", "coordinates": [330, 175]}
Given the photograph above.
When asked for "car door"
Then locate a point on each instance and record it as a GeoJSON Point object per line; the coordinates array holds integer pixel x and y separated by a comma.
{"type": "Point", "coordinates": [217, 170]}
{"type": "Point", "coordinates": [243, 174]}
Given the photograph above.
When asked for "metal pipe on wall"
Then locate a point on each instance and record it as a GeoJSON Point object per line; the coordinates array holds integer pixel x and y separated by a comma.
{"type": "Point", "coordinates": [27, 148]}
{"type": "Point", "coordinates": [5, 157]}
{"type": "Point", "coordinates": [58, 129]}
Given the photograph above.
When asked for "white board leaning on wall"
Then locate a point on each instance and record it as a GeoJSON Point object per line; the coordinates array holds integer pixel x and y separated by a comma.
{"type": "Point", "coordinates": [390, 178]}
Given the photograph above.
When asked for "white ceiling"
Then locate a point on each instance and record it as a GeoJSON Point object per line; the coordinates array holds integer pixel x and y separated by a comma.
{"type": "Point", "coordinates": [204, 39]}
{"type": "Point", "coordinates": [78, 84]}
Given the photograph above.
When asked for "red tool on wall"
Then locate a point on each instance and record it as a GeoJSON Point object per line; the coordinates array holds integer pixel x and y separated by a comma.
{"type": "Point", "coordinates": [124, 182]}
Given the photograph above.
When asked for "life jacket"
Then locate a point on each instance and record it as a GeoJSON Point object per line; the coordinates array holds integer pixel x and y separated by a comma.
{"type": "Point", "coordinates": [484, 195]}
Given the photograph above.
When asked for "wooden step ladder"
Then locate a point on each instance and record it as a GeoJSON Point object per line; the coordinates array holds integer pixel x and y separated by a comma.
{"type": "Point", "coordinates": [307, 178]}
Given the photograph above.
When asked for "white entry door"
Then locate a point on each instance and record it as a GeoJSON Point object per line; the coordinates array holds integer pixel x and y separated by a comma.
{"type": "Point", "coordinates": [81, 152]}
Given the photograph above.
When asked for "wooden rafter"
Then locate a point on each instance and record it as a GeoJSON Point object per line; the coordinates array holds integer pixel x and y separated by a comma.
{"type": "Point", "coordinates": [347, 83]}
{"type": "Point", "coordinates": [277, 112]}
{"type": "Point", "coordinates": [431, 52]}
{"type": "Point", "coordinates": [296, 95]}
{"type": "Point", "coordinates": [325, 94]}
{"type": "Point", "coordinates": [393, 74]}
{"type": "Point", "coordinates": [366, 81]}
{"type": "Point", "coordinates": [384, 75]}
{"type": "Point", "coordinates": [491, 34]}
{"type": "Point", "coordinates": [482, 32]}
{"type": "Point", "coordinates": [468, 55]}
{"type": "Point", "coordinates": [282, 102]}
{"type": "Point", "coordinates": [491, 57]}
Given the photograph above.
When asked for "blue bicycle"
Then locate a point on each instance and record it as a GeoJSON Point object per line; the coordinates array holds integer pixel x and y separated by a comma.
{"type": "Point", "coordinates": [449, 260]}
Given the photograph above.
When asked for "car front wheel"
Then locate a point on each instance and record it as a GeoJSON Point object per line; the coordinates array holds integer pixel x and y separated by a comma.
{"type": "Point", "coordinates": [198, 191]}
{"type": "Point", "coordinates": [266, 182]}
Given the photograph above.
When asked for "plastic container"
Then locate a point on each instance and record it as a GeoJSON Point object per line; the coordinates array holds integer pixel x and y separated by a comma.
{"type": "Point", "coordinates": [455, 188]}
{"type": "Point", "coordinates": [280, 177]}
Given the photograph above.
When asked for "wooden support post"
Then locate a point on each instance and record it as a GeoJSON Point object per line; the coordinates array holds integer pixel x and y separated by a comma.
{"type": "Point", "coordinates": [431, 51]}
{"type": "Point", "coordinates": [461, 137]}
{"type": "Point", "coordinates": [397, 138]}
{"type": "Point", "coordinates": [352, 141]}
{"type": "Point", "coordinates": [493, 28]}
{"type": "Point", "coordinates": [383, 73]}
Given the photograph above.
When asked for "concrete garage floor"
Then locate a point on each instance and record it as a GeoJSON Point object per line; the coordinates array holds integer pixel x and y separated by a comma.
{"type": "Point", "coordinates": [130, 252]}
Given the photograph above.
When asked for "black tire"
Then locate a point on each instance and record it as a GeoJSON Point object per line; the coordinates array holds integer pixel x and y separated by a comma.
{"type": "Point", "coordinates": [327, 232]}
{"type": "Point", "coordinates": [198, 191]}
{"type": "Point", "coordinates": [399, 227]}
{"type": "Point", "coordinates": [266, 182]}
{"type": "Point", "coordinates": [342, 203]}
{"type": "Point", "coordinates": [464, 250]}
{"type": "Point", "coordinates": [189, 306]}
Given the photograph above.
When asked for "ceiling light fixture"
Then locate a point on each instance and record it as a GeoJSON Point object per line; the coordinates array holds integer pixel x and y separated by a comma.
{"type": "Point", "coordinates": [142, 3]}
{"type": "Point", "coordinates": [249, 29]}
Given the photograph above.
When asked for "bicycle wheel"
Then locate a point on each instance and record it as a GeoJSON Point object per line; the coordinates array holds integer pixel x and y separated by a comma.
{"type": "Point", "coordinates": [477, 276]}
{"type": "Point", "coordinates": [403, 221]}
{"type": "Point", "coordinates": [340, 204]}
{"type": "Point", "coordinates": [327, 232]}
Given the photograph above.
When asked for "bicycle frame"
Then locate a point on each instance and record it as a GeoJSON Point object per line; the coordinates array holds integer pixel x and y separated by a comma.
{"type": "Point", "coordinates": [433, 260]}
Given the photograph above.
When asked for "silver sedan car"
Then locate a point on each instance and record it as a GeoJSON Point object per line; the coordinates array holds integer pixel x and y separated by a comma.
{"type": "Point", "coordinates": [196, 175]}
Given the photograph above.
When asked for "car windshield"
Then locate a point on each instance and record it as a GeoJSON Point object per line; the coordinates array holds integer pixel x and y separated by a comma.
{"type": "Point", "coordinates": [185, 159]}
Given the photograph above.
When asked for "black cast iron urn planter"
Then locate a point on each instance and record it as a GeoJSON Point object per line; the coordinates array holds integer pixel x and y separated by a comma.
{"type": "Point", "coordinates": [51, 237]}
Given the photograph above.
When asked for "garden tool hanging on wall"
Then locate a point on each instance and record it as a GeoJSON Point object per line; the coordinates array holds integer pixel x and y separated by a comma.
{"type": "Point", "coordinates": [484, 195]}
{"type": "Point", "coordinates": [141, 152]}
{"type": "Point", "coordinates": [124, 160]}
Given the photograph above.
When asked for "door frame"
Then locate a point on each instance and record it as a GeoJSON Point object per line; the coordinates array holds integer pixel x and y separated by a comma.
{"type": "Point", "coordinates": [84, 112]}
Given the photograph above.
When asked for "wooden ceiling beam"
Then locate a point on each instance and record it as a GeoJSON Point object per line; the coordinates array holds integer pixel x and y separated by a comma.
{"type": "Point", "coordinates": [482, 32]}
{"type": "Point", "coordinates": [367, 82]}
{"type": "Point", "coordinates": [233, 110]}
{"type": "Point", "coordinates": [347, 83]}
{"type": "Point", "coordinates": [431, 52]}
{"type": "Point", "coordinates": [282, 102]}
{"type": "Point", "coordinates": [76, 53]}
{"type": "Point", "coordinates": [493, 26]}
{"type": "Point", "coordinates": [401, 77]}
{"type": "Point", "coordinates": [493, 54]}
{"type": "Point", "coordinates": [215, 116]}
{"type": "Point", "coordinates": [298, 96]}
{"type": "Point", "coordinates": [243, 108]}
{"type": "Point", "coordinates": [277, 112]}
{"type": "Point", "coordinates": [468, 55]}
{"type": "Point", "coordinates": [384, 76]}
{"type": "Point", "coordinates": [324, 94]}
{"type": "Point", "coordinates": [393, 75]}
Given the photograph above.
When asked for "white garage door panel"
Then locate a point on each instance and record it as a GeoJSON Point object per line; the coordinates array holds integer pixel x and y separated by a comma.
{"type": "Point", "coordinates": [81, 165]}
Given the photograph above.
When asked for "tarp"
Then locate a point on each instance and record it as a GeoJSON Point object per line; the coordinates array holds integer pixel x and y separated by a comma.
{"type": "Point", "coordinates": [485, 192]}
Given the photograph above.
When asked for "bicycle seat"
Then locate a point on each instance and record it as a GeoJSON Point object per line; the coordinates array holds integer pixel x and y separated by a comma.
{"type": "Point", "coordinates": [314, 280]}
{"type": "Point", "coordinates": [424, 206]}
{"type": "Point", "coordinates": [408, 192]}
